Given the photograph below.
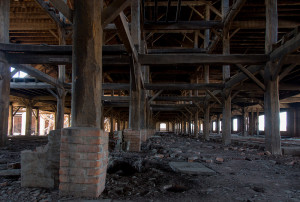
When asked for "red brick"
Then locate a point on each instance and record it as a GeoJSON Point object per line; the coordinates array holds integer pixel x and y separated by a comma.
{"type": "Point", "coordinates": [96, 171]}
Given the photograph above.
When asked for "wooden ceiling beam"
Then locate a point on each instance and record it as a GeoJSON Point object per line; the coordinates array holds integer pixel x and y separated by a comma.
{"type": "Point", "coordinates": [151, 86]}
{"type": "Point", "coordinates": [62, 7]}
{"type": "Point", "coordinates": [113, 10]}
{"type": "Point", "coordinates": [194, 59]}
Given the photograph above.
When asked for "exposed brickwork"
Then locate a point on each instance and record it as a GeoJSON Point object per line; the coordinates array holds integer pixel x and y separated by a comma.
{"type": "Point", "coordinates": [134, 136]}
{"type": "Point", "coordinates": [83, 162]}
{"type": "Point", "coordinates": [144, 135]}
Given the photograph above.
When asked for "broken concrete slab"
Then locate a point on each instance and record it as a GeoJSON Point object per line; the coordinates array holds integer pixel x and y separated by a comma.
{"type": "Point", "coordinates": [192, 168]}
{"type": "Point", "coordinates": [294, 151]}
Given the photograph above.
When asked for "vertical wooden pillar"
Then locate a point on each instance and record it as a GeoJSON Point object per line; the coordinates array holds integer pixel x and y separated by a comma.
{"type": "Point", "coordinates": [206, 125]}
{"type": "Point", "coordinates": [218, 124]}
{"type": "Point", "coordinates": [111, 124]}
{"type": "Point", "coordinates": [244, 122]}
{"type": "Point", "coordinates": [28, 120]}
{"type": "Point", "coordinates": [226, 121]}
{"type": "Point", "coordinates": [87, 64]}
{"type": "Point", "coordinates": [251, 123]}
{"type": "Point", "coordinates": [256, 122]}
{"type": "Point", "coordinates": [271, 97]}
{"type": "Point", "coordinates": [291, 122]}
{"type": "Point", "coordinates": [10, 120]}
{"type": "Point", "coordinates": [37, 122]}
{"type": "Point", "coordinates": [4, 72]}
{"type": "Point", "coordinates": [136, 110]}
{"type": "Point", "coordinates": [61, 93]}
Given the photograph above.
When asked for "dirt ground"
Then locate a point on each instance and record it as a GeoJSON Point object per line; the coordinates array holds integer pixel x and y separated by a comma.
{"type": "Point", "coordinates": [242, 173]}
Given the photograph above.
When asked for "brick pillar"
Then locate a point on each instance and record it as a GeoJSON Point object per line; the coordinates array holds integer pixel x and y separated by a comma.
{"type": "Point", "coordinates": [83, 161]}
{"type": "Point", "coordinates": [134, 137]}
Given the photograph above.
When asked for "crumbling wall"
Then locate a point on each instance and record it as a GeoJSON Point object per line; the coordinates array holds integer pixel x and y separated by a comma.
{"type": "Point", "coordinates": [40, 168]}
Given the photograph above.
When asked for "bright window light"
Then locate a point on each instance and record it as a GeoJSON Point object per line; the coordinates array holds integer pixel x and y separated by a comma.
{"type": "Point", "coordinates": [283, 122]}
{"type": "Point", "coordinates": [163, 127]}
{"type": "Point", "coordinates": [235, 124]}
{"type": "Point", "coordinates": [261, 122]}
{"type": "Point", "coordinates": [20, 74]}
{"type": "Point", "coordinates": [214, 126]}
{"type": "Point", "coordinates": [220, 125]}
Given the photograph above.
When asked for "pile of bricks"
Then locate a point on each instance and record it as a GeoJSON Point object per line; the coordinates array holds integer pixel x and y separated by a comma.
{"type": "Point", "coordinates": [83, 162]}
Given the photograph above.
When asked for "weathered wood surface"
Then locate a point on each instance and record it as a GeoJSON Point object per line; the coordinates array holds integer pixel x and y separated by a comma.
{"type": "Point", "coordinates": [87, 64]}
{"type": "Point", "coordinates": [194, 59]}
{"type": "Point", "coordinates": [184, 86]}
{"type": "Point", "coordinates": [271, 96]}
{"type": "Point", "coordinates": [4, 71]}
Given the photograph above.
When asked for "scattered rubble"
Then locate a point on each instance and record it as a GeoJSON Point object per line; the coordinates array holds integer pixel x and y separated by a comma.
{"type": "Point", "coordinates": [148, 176]}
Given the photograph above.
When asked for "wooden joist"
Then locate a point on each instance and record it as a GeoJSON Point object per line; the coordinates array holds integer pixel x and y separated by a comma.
{"type": "Point", "coordinates": [252, 77]}
{"type": "Point", "coordinates": [62, 7]}
{"type": "Point", "coordinates": [189, 86]}
{"type": "Point", "coordinates": [31, 85]}
{"type": "Point", "coordinates": [20, 58]}
{"type": "Point", "coordinates": [241, 76]}
{"type": "Point", "coordinates": [182, 25]}
{"type": "Point", "coordinates": [54, 49]}
{"type": "Point", "coordinates": [111, 12]}
{"type": "Point", "coordinates": [115, 86]}
{"type": "Point", "coordinates": [178, 98]}
{"type": "Point", "coordinates": [194, 59]}
{"type": "Point", "coordinates": [50, 12]}
{"type": "Point", "coordinates": [38, 74]}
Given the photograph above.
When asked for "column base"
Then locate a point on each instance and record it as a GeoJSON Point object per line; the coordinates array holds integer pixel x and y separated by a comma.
{"type": "Point", "coordinates": [134, 137]}
{"type": "Point", "coordinates": [83, 162]}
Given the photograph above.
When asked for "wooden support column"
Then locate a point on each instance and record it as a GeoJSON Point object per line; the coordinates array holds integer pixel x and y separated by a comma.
{"type": "Point", "coordinates": [4, 72]}
{"type": "Point", "coordinates": [256, 122]}
{"type": "Point", "coordinates": [251, 123]}
{"type": "Point", "coordinates": [11, 120]}
{"type": "Point", "coordinates": [61, 92]}
{"type": "Point", "coordinates": [244, 122]}
{"type": "Point", "coordinates": [28, 120]}
{"type": "Point", "coordinates": [226, 121]}
{"type": "Point", "coordinates": [206, 125]}
{"type": "Point", "coordinates": [87, 64]}
{"type": "Point", "coordinates": [271, 96]}
{"type": "Point", "coordinates": [37, 122]}
{"type": "Point", "coordinates": [218, 124]}
{"type": "Point", "coordinates": [137, 102]}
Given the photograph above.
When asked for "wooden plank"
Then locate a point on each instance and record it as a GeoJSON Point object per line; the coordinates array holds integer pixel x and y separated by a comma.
{"type": "Point", "coordinates": [174, 3]}
{"type": "Point", "coordinates": [194, 59]}
{"type": "Point", "coordinates": [20, 58]}
{"type": "Point", "coordinates": [62, 7]}
{"type": "Point", "coordinates": [112, 11]}
{"type": "Point", "coordinates": [189, 86]}
{"type": "Point", "coordinates": [155, 96]}
{"type": "Point", "coordinates": [186, 25]}
{"type": "Point", "coordinates": [30, 85]}
{"type": "Point", "coordinates": [115, 86]}
{"type": "Point", "coordinates": [116, 98]}
{"type": "Point", "coordinates": [286, 71]}
{"type": "Point", "coordinates": [251, 76]}
{"type": "Point", "coordinates": [54, 49]}
{"type": "Point", "coordinates": [4, 72]}
{"type": "Point", "coordinates": [271, 96]}
{"type": "Point", "coordinates": [50, 12]}
{"type": "Point", "coordinates": [38, 74]}
{"type": "Point", "coordinates": [288, 47]}
{"type": "Point", "coordinates": [241, 76]}
{"type": "Point", "coordinates": [124, 33]}
{"type": "Point", "coordinates": [178, 98]}
{"type": "Point", "coordinates": [214, 97]}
